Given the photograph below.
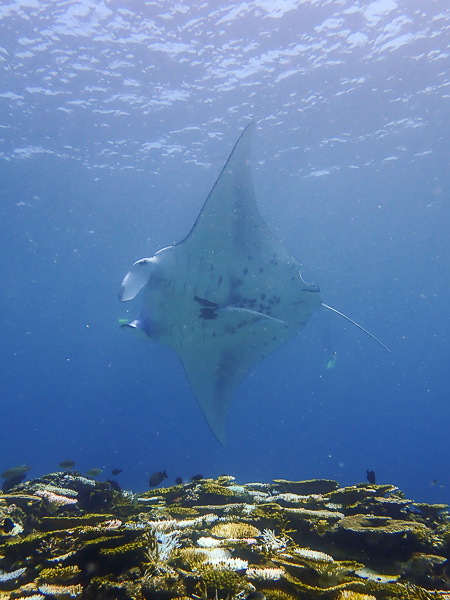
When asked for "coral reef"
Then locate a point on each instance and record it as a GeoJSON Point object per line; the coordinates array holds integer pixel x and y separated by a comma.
{"type": "Point", "coordinates": [67, 536]}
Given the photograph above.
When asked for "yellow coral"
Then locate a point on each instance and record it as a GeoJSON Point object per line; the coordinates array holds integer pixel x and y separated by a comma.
{"type": "Point", "coordinates": [225, 580]}
{"type": "Point", "coordinates": [277, 594]}
{"type": "Point", "coordinates": [194, 557]}
{"type": "Point", "coordinates": [59, 574]}
{"type": "Point", "coordinates": [349, 595]}
{"type": "Point", "coordinates": [216, 490]}
{"type": "Point", "coordinates": [235, 530]}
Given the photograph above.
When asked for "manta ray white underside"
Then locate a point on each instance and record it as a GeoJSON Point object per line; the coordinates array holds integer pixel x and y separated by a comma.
{"type": "Point", "coordinates": [224, 297]}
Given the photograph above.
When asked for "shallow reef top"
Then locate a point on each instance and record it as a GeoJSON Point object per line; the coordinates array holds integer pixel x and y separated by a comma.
{"type": "Point", "coordinates": [68, 536]}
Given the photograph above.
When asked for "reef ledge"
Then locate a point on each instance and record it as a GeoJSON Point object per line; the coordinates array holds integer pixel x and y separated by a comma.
{"type": "Point", "coordinates": [68, 536]}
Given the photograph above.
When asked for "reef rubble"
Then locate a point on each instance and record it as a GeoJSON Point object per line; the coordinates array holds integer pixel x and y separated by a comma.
{"type": "Point", "coordinates": [68, 536]}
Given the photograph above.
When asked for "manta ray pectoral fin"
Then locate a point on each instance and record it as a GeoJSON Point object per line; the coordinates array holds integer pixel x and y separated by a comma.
{"type": "Point", "coordinates": [136, 278]}
{"type": "Point", "coordinates": [140, 326]}
{"type": "Point", "coordinates": [338, 312]}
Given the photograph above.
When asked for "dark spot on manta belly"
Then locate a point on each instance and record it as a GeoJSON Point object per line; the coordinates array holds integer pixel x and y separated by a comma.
{"type": "Point", "coordinates": [208, 313]}
{"type": "Point", "coordinates": [205, 302]}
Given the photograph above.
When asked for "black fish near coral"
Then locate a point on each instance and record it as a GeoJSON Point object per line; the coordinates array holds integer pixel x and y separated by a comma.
{"type": "Point", "coordinates": [371, 476]}
{"type": "Point", "coordinates": [115, 486]}
{"type": "Point", "coordinates": [11, 482]}
{"type": "Point", "coordinates": [116, 471]}
{"type": "Point", "coordinates": [179, 481]}
{"type": "Point", "coordinates": [157, 478]}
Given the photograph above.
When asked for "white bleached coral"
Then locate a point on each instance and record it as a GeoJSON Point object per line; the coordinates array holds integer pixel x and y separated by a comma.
{"type": "Point", "coordinates": [112, 524]}
{"type": "Point", "coordinates": [313, 555]}
{"type": "Point", "coordinates": [264, 574]}
{"type": "Point", "coordinates": [233, 564]}
{"type": "Point", "coordinates": [217, 554]}
{"type": "Point", "coordinates": [167, 543]}
{"type": "Point", "coordinates": [61, 491]}
{"type": "Point", "coordinates": [161, 545]}
{"type": "Point", "coordinates": [271, 542]}
{"type": "Point", "coordinates": [11, 575]}
{"type": "Point", "coordinates": [209, 542]}
{"type": "Point", "coordinates": [61, 591]}
{"type": "Point", "coordinates": [55, 501]}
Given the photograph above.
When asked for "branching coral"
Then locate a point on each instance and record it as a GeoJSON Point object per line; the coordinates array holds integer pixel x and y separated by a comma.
{"type": "Point", "coordinates": [159, 545]}
{"type": "Point", "coordinates": [272, 543]}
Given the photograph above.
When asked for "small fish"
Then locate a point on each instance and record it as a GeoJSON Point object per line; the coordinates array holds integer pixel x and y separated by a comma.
{"type": "Point", "coordinates": [156, 478]}
{"type": "Point", "coordinates": [371, 476]}
{"type": "Point", "coordinates": [196, 477]}
{"type": "Point", "coordinates": [94, 472]}
{"type": "Point", "coordinates": [178, 481]}
{"type": "Point", "coordinates": [15, 471]}
{"type": "Point", "coordinates": [115, 486]}
{"type": "Point", "coordinates": [12, 482]}
{"type": "Point", "coordinates": [436, 482]}
{"type": "Point", "coordinates": [67, 464]}
{"type": "Point", "coordinates": [116, 471]}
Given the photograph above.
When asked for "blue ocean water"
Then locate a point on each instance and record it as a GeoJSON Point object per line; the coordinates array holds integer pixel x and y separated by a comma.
{"type": "Point", "coordinates": [115, 121]}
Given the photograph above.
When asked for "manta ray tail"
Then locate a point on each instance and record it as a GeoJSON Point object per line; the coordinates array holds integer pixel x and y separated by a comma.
{"type": "Point", "coordinates": [357, 325]}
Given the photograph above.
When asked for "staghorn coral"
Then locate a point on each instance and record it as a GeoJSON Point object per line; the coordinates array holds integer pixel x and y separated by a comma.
{"type": "Point", "coordinates": [272, 543]}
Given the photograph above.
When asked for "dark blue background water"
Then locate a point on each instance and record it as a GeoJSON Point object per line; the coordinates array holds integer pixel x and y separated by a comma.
{"type": "Point", "coordinates": [115, 120]}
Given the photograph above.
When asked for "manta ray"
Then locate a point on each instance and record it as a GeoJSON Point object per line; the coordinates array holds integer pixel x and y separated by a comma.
{"type": "Point", "coordinates": [227, 295]}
